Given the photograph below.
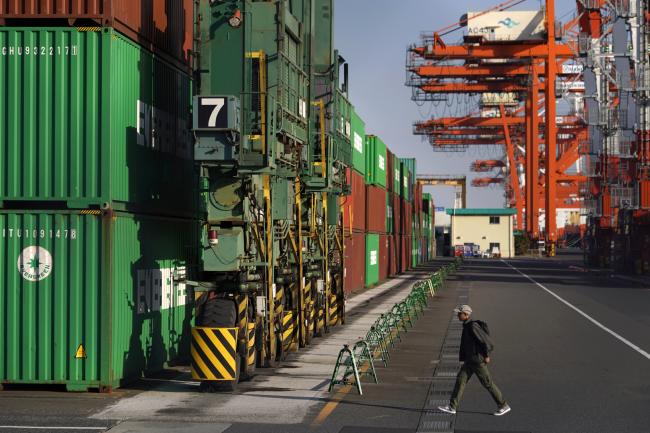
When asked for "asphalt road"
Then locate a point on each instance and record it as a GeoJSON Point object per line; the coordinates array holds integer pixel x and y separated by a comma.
{"type": "Point", "coordinates": [571, 356]}
{"type": "Point", "coordinates": [561, 371]}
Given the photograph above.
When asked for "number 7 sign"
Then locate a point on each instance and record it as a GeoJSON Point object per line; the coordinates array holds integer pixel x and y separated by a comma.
{"type": "Point", "coordinates": [211, 113]}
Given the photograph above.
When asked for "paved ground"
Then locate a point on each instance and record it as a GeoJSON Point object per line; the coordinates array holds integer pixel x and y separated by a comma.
{"type": "Point", "coordinates": [571, 357]}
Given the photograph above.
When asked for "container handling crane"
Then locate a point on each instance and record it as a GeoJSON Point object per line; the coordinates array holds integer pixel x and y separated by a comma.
{"type": "Point", "coordinates": [514, 71]}
{"type": "Point", "coordinates": [272, 144]}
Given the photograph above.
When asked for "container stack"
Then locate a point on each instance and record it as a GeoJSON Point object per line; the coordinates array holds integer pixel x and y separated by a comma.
{"type": "Point", "coordinates": [353, 207]}
{"type": "Point", "coordinates": [376, 211]}
{"type": "Point", "coordinates": [410, 208]}
{"type": "Point", "coordinates": [97, 207]}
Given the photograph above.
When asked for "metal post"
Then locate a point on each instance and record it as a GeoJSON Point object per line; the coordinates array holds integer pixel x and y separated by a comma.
{"type": "Point", "coordinates": [551, 131]}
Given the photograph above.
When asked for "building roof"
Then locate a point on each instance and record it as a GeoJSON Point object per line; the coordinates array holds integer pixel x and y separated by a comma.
{"type": "Point", "coordinates": [482, 212]}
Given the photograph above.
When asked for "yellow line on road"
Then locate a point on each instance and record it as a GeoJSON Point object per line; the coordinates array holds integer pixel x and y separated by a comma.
{"type": "Point", "coordinates": [331, 405]}
{"type": "Point", "coordinates": [338, 397]}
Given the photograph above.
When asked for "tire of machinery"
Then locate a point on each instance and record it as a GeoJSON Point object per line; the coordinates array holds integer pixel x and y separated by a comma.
{"type": "Point", "coordinates": [218, 313]}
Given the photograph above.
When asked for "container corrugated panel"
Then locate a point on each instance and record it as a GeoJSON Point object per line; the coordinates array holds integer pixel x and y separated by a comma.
{"type": "Point", "coordinates": [383, 257]}
{"type": "Point", "coordinates": [372, 259]}
{"type": "Point", "coordinates": [92, 118]}
{"type": "Point", "coordinates": [405, 175]}
{"type": "Point", "coordinates": [375, 161]}
{"type": "Point", "coordinates": [353, 206]}
{"type": "Point", "coordinates": [375, 209]}
{"type": "Point", "coordinates": [415, 246]}
{"type": "Point", "coordinates": [409, 173]}
{"type": "Point", "coordinates": [390, 171]}
{"type": "Point", "coordinates": [354, 273]}
{"type": "Point", "coordinates": [390, 228]}
{"type": "Point", "coordinates": [102, 282]}
{"type": "Point", "coordinates": [357, 138]}
{"type": "Point", "coordinates": [407, 218]}
{"type": "Point", "coordinates": [393, 255]}
{"type": "Point", "coordinates": [397, 175]}
{"type": "Point", "coordinates": [164, 27]}
{"type": "Point", "coordinates": [397, 213]}
{"type": "Point", "coordinates": [405, 263]}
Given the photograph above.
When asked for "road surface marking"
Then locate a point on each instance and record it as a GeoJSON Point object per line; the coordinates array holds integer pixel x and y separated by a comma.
{"type": "Point", "coordinates": [30, 427]}
{"type": "Point", "coordinates": [585, 315]}
{"type": "Point", "coordinates": [331, 405]}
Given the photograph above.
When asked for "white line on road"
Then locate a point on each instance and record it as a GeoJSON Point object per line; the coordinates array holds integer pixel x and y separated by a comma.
{"type": "Point", "coordinates": [585, 315]}
{"type": "Point", "coordinates": [33, 427]}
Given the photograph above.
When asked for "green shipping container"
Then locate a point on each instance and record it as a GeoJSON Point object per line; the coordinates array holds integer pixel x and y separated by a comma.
{"type": "Point", "coordinates": [375, 161]}
{"type": "Point", "coordinates": [410, 167]}
{"type": "Point", "coordinates": [397, 182]}
{"type": "Point", "coordinates": [91, 118]}
{"type": "Point", "coordinates": [358, 143]}
{"type": "Point", "coordinates": [414, 250]}
{"type": "Point", "coordinates": [372, 259]}
{"type": "Point", "coordinates": [405, 175]}
{"type": "Point", "coordinates": [91, 301]}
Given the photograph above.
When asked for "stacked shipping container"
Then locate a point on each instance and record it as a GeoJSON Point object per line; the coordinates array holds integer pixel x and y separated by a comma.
{"type": "Point", "coordinates": [353, 207]}
{"type": "Point", "coordinates": [96, 198]}
{"type": "Point", "coordinates": [385, 213]}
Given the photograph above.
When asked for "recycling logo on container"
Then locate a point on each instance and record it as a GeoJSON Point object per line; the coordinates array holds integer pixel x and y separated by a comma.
{"type": "Point", "coordinates": [35, 263]}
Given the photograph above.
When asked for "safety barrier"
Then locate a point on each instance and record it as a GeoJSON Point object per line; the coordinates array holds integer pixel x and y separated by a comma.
{"type": "Point", "coordinates": [358, 361]}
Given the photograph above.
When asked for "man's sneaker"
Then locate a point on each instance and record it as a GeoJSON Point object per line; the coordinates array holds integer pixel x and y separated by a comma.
{"type": "Point", "coordinates": [502, 411]}
{"type": "Point", "coordinates": [448, 409]}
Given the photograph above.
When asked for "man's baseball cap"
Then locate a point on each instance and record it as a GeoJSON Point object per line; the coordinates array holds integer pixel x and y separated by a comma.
{"type": "Point", "coordinates": [463, 309]}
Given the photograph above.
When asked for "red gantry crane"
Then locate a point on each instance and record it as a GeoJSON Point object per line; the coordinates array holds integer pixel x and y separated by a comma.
{"type": "Point", "coordinates": [519, 77]}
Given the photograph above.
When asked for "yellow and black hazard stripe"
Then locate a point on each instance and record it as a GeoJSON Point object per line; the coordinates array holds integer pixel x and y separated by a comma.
{"type": "Point", "coordinates": [213, 353]}
{"type": "Point", "coordinates": [90, 212]}
{"type": "Point", "coordinates": [250, 354]}
{"type": "Point", "coordinates": [321, 319]}
{"type": "Point", "coordinates": [288, 331]}
{"type": "Point", "coordinates": [242, 303]}
{"type": "Point", "coordinates": [89, 29]}
{"type": "Point", "coordinates": [310, 317]}
{"type": "Point", "coordinates": [278, 302]}
{"type": "Point", "coordinates": [333, 310]}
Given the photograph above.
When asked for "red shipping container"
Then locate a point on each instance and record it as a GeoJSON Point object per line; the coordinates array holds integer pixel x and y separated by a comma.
{"type": "Point", "coordinates": [383, 257]}
{"type": "Point", "coordinates": [354, 271]}
{"type": "Point", "coordinates": [407, 218]}
{"type": "Point", "coordinates": [162, 26]}
{"type": "Point", "coordinates": [397, 214]}
{"type": "Point", "coordinates": [393, 258]}
{"type": "Point", "coordinates": [405, 253]}
{"type": "Point", "coordinates": [390, 171]}
{"type": "Point", "coordinates": [375, 209]}
{"type": "Point", "coordinates": [353, 206]}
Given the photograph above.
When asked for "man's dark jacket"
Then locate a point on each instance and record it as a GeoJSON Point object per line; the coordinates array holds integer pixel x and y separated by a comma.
{"type": "Point", "coordinates": [475, 344]}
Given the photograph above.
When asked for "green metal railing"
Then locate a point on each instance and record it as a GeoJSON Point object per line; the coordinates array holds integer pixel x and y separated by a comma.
{"type": "Point", "coordinates": [358, 361]}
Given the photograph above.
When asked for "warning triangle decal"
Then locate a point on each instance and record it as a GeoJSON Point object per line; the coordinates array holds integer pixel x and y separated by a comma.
{"type": "Point", "coordinates": [81, 352]}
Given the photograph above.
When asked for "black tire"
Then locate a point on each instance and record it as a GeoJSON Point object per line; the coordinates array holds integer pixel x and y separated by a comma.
{"type": "Point", "coordinates": [231, 386]}
{"type": "Point", "coordinates": [218, 313]}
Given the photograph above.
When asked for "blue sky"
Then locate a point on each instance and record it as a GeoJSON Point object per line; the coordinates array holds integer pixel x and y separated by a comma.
{"type": "Point", "coordinates": [372, 35]}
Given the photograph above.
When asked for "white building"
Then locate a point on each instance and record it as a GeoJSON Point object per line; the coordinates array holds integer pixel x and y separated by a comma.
{"type": "Point", "coordinates": [491, 229]}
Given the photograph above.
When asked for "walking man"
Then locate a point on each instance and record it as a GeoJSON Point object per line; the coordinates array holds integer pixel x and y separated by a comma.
{"type": "Point", "coordinates": [475, 348]}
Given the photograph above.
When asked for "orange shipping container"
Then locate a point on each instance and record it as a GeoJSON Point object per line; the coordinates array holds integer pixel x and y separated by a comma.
{"type": "Point", "coordinates": [354, 272]}
{"type": "Point", "coordinates": [375, 209]}
{"type": "Point", "coordinates": [393, 255]}
{"type": "Point", "coordinates": [353, 206]}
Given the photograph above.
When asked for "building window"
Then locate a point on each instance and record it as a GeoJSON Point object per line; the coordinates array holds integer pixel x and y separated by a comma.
{"type": "Point", "coordinates": [495, 248]}
{"type": "Point", "coordinates": [495, 220]}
